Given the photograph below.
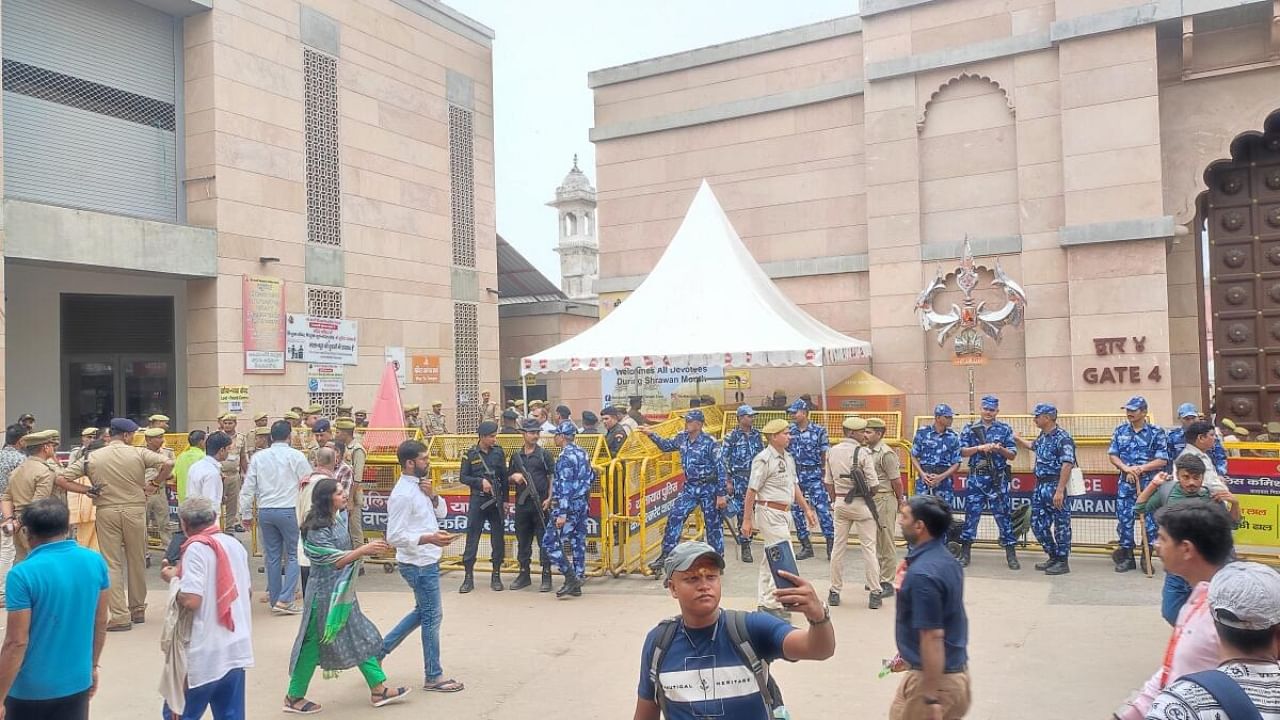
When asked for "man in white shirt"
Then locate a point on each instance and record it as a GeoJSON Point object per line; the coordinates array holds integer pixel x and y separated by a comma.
{"type": "Point", "coordinates": [213, 584]}
{"type": "Point", "coordinates": [413, 514]}
{"type": "Point", "coordinates": [273, 479]}
{"type": "Point", "coordinates": [204, 479]}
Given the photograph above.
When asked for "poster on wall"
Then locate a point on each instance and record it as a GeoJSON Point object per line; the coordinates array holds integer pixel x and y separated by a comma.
{"type": "Point", "coordinates": [425, 369]}
{"type": "Point", "coordinates": [663, 388]}
{"type": "Point", "coordinates": [262, 323]}
{"type": "Point", "coordinates": [321, 341]}
{"type": "Point", "coordinates": [325, 379]}
{"type": "Point", "coordinates": [395, 356]}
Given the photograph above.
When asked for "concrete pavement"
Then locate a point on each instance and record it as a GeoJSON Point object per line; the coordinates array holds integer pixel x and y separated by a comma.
{"type": "Point", "coordinates": [1065, 648]}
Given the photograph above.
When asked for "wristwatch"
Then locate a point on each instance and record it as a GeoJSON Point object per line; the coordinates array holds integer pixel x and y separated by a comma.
{"type": "Point", "coordinates": [826, 617]}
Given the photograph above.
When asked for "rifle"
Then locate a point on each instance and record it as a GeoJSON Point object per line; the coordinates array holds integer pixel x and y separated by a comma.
{"type": "Point", "coordinates": [860, 488]}
{"type": "Point", "coordinates": [491, 477]}
{"type": "Point", "coordinates": [531, 490]}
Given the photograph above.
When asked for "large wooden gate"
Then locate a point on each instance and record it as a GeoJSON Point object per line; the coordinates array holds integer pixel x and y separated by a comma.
{"type": "Point", "coordinates": [1242, 214]}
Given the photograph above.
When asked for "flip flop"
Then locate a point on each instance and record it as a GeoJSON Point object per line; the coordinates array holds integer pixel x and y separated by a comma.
{"type": "Point", "coordinates": [388, 696]}
{"type": "Point", "coordinates": [307, 707]}
{"type": "Point", "coordinates": [444, 686]}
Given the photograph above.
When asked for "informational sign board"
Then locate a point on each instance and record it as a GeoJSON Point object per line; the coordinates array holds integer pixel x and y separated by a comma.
{"type": "Point", "coordinates": [263, 322]}
{"type": "Point", "coordinates": [321, 341]}
{"type": "Point", "coordinates": [425, 369]}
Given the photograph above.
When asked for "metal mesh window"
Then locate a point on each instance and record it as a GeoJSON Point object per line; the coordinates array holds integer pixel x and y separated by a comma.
{"type": "Point", "coordinates": [466, 358]}
{"type": "Point", "coordinates": [328, 402]}
{"type": "Point", "coordinates": [324, 303]}
{"type": "Point", "coordinates": [462, 186]}
{"type": "Point", "coordinates": [320, 113]}
{"type": "Point", "coordinates": [73, 92]}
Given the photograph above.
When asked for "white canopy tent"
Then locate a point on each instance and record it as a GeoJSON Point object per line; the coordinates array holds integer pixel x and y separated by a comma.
{"type": "Point", "coordinates": [706, 302]}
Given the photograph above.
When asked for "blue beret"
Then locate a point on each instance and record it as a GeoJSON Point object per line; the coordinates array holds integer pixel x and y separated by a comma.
{"type": "Point", "coordinates": [320, 426]}
{"type": "Point", "coordinates": [123, 425]}
{"type": "Point", "coordinates": [1045, 409]}
{"type": "Point", "coordinates": [567, 428]}
{"type": "Point", "coordinates": [943, 410]}
{"type": "Point", "coordinates": [990, 402]}
{"type": "Point", "coordinates": [1137, 402]}
{"type": "Point", "coordinates": [694, 415]}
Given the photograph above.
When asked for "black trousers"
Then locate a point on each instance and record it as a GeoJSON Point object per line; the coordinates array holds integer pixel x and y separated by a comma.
{"type": "Point", "coordinates": [71, 707]}
{"type": "Point", "coordinates": [529, 526]}
{"type": "Point", "coordinates": [476, 518]}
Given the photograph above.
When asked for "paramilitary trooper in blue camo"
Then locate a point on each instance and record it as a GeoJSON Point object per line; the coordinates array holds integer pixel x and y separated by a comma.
{"type": "Point", "coordinates": [1188, 414]}
{"type": "Point", "coordinates": [1055, 451]}
{"type": "Point", "coordinates": [570, 492]}
{"type": "Point", "coordinates": [738, 448]}
{"type": "Point", "coordinates": [809, 445]}
{"type": "Point", "coordinates": [935, 450]}
{"type": "Point", "coordinates": [1138, 449]}
{"type": "Point", "coordinates": [704, 483]}
{"type": "Point", "coordinates": [989, 445]}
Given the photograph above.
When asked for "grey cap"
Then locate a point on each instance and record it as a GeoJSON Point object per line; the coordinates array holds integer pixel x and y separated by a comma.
{"type": "Point", "coordinates": [684, 555]}
{"type": "Point", "coordinates": [1246, 595]}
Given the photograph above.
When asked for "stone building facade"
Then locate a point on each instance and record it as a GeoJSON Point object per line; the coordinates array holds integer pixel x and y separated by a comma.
{"type": "Point", "coordinates": [157, 152]}
{"type": "Point", "coordinates": [1068, 138]}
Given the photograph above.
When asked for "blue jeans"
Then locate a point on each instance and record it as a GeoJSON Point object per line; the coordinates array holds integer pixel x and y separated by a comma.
{"type": "Point", "coordinates": [427, 613]}
{"type": "Point", "coordinates": [224, 697]}
{"type": "Point", "coordinates": [1173, 596]}
{"type": "Point", "coordinates": [279, 528]}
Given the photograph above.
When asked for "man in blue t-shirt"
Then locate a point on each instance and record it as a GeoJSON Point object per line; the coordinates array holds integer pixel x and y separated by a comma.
{"type": "Point", "coordinates": [701, 673]}
{"type": "Point", "coordinates": [57, 621]}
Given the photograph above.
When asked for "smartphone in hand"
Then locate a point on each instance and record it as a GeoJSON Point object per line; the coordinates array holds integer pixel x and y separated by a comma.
{"type": "Point", "coordinates": [781, 557]}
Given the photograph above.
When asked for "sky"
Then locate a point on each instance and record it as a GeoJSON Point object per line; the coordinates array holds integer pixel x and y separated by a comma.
{"type": "Point", "coordinates": [543, 107]}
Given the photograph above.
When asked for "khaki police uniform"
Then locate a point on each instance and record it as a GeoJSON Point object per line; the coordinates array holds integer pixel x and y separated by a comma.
{"type": "Point", "coordinates": [355, 457]}
{"type": "Point", "coordinates": [433, 424]}
{"type": "Point", "coordinates": [489, 411]}
{"type": "Point", "coordinates": [852, 516]}
{"type": "Point", "coordinates": [888, 469]}
{"type": "Point", "coordinates": [773, 477]}
{"type": "Point", "coordinates": [232, 476]}
{"type": "Point", "coordinates": [120, 471]}
{"type": "Point", "coordinates": [29, 482]}
{"type": "Point", "coordinates": [158, 503]}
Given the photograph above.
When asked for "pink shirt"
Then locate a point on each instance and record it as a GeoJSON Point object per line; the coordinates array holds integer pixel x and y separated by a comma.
{"type": "Point", "coordinates": [1192, 647]}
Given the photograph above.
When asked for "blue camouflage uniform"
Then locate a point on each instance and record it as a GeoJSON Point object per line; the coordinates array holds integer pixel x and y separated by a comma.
{"type": "Point", "coordinates": [808, 447]}
{"type": "Point", "coordinates": [1051, 526]}
{"type": "Point", "coordinates": [570, 492]}
{"type": "Point", "coordinates": [989, 488]}
{"type": "Point", "coordinates": [738, 448]}
{"type": "Point", "coordinates": [1136, 447]}
{"type": "Point", "coordinates": [935, 452]}
{"type": "Point", "coordinates": [704, 484]}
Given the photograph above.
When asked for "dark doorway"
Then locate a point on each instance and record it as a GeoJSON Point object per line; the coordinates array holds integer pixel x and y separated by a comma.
{"type": "Point", "coordinates": [117, 359]}
{"type": "Point", "coordinates": [1241, 212]}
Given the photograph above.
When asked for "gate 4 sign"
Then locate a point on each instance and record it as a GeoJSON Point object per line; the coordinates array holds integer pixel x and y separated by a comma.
{"type": "Point", "coordinates": [321, 341]}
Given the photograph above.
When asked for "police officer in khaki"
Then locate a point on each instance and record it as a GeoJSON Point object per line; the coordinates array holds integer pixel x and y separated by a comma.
{"type": "Point", "coordinates": [411, 417]}
{"type": "Point", "coordinates": [889, 495]}
{"type": "Point", "coordinates": [433, 423]}
{"type": "Point", "coordinates": [233, 470]}
{"type": "Point", "coordinates": [34, 479]}
{"type": "Point", "coordinates": [298, 432]}
{"type": "Point", "coordinates": [355, 456]}
{"type": "Point", "coordinates": [771, 491]}
{"type": "Point", "coordinates": [118, 471]}
{"type": "Point", "coordinates": [157, 495]}
{"type": "Point", "coordinates": [321, 434]}
{"type": "Point", "coordinates": [853, 513]}
{"type": "Point", "coordinates": [87, 436]}
{"type": "Point", "coordinates": [158, 421]}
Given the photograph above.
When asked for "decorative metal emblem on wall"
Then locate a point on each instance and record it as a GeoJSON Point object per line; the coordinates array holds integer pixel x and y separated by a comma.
{"type": "Point", "coordinates": [969, 321]}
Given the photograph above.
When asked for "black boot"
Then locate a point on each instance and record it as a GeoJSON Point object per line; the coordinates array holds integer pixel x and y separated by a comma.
{"type": "Point", "coordinates": [806, 550]}
{"type": "Point", "coordinates": [468, 583]}
{"type": "Point", "coordinates": [546, 580]}
{"type": "Point", "coordinates": [886, 589]}
{"type": "Point", "coordinates": [830, 542]}
{"type": "Point", "coordinates": [572, 585]}
{"type": "Point", "coordinates": [1059, 566]}
{"type": "Point", "coordinates": [1124, 560]}
{"type": "Point", "coordinates": [875, 600]}
{"type": "Point", "coordinates": [495, 582]}
{"type": "Point", "coordinates": [656, 565]}
{"type": "Point", "coordinates": [833, 598]}
{"type": "Point", "coordinates": [1045, 565]}
{"type": "Point", "coordinates": [965, 549]}
{"type": "Point", "coordinates": [1011, 557]}
{"type": "Point", "coordinates": [522, 580]}
{"type": "Point", "coordinates": [747, 557]}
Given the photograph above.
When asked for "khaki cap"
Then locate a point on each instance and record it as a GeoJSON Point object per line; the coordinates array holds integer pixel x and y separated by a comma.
{"type": "Point", "coordinates": [519, 403]}
{"type": "Point", "coordinates": [436, 403]}
{"type": "Point", "coordinates": [1273, 427]}
{"type": "Point", "coordinates": [853, 422]}
{"type": "Point", "coordinates": [291, 415]}
{"type": "Point", "coordinates": [314, 409]}
{"type": "Point", "coordinates": [228, 416]}
{"type": "Point", "coordinates": [345, 424]}
{"type": "Point", "coordinates": [153, 432]}
{"type": "Point", "coordinates": [775, 426]}
{"type": "Point", "coordinates": [158, 418]}
{"type": "Point", "coordinates": [259, 416]}
{"type": "Point", "coordinates": [344, 408]}
{"type": "Point", "coordinates": [411, 408]}
{"type": "Point", "coordinates": [40, 438]}
{"type": "Point", "coordinates": [536, 403]}
{"type": "Point", "coordinates": [262, 431]}
{"type": "Point", "coordinates": [875, 423]}
{"type": "Point", "coordinates": [89, 431]}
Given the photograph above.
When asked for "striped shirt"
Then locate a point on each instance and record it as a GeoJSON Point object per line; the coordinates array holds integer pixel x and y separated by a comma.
{"type": "Point", "coordinates": [1184, 699]}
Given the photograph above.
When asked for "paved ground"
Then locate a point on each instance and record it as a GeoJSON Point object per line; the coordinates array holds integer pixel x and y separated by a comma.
{"type": "Point", "coordinates": [1066, 648]}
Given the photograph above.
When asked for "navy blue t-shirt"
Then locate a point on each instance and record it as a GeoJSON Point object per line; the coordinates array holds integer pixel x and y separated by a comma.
{"type": "Point", "coordinates": [702, 675]}
{"type": "Point", "coordinates": [932, 597]}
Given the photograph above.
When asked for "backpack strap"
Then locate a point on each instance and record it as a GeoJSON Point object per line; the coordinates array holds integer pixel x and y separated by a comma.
{"type": "Point", "coordinates": [736, 624]}
{"type": "Point", "coordinates": [666, 635]}
{"type": "Point", "coordinates": [1234, 701]}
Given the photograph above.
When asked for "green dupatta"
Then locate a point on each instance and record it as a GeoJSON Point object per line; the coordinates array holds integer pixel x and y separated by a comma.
{"type": "Point", "coordinates": [344, 591]}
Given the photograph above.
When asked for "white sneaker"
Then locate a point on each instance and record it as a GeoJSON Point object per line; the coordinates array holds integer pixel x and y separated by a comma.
{"type": "Point", "coordinates": [290, 609]}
